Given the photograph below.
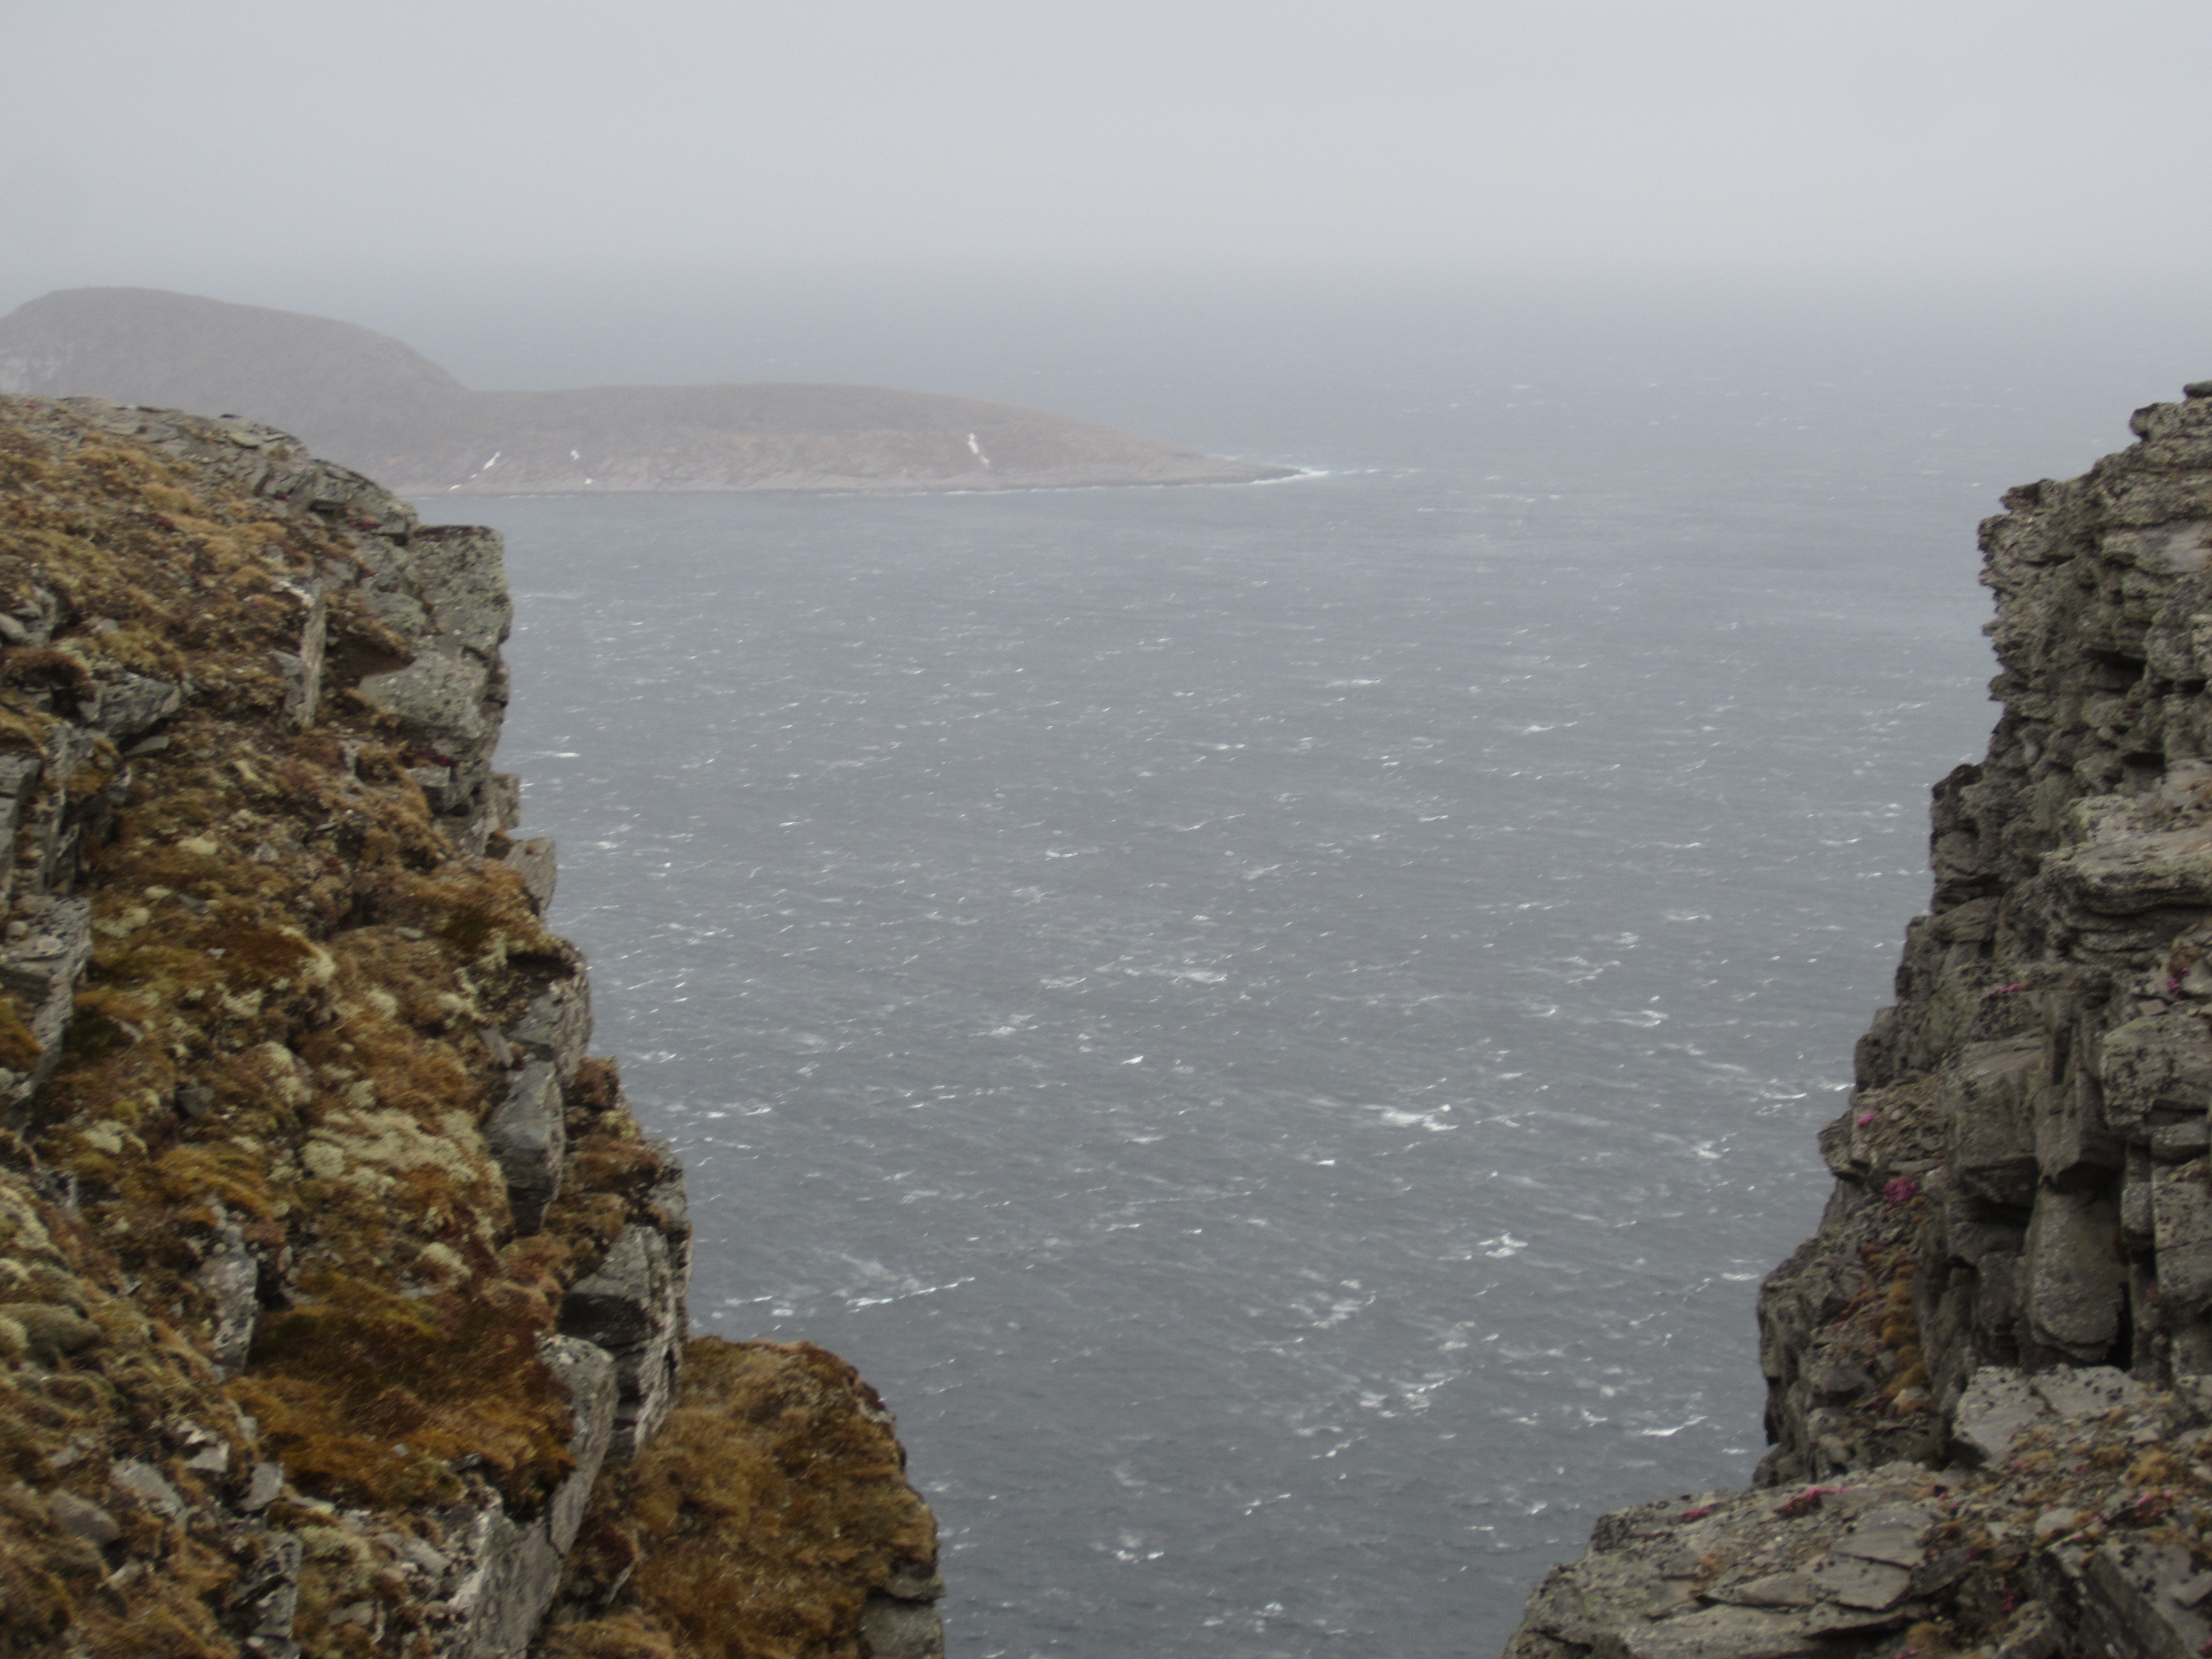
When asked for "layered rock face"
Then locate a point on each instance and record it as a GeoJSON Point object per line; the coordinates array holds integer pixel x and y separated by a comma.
{"type": "Point", "coordinates": [1989, 1372]}
{"type": "Point", "coordinates": [342, 1299]}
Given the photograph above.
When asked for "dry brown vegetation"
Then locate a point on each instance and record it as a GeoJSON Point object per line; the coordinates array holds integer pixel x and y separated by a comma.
{"type": "Point", "coordinates": [755, 1526]}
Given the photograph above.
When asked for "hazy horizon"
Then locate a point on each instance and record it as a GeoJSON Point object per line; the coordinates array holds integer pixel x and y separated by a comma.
{"type": "Point", "coordinates": [1140, 215]}
{"type": "Point", "coordinates": [253, 150]}
{"type": "Point", "coordinates": [2037, 377]}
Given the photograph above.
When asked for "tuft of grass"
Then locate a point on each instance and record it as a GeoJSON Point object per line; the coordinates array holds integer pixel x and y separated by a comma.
{"type": "Point", "coordinates": [2156, 1467]}
{"type": "Point", "coordinates": [18, 1049]}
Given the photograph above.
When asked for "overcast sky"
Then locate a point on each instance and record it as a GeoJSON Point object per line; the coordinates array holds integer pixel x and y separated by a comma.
{"type": "Point", "coordinates": [241, 146]}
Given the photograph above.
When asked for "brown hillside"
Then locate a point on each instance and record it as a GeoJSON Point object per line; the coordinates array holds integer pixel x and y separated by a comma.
{"type": "Point", "coordinates": [382, 408]}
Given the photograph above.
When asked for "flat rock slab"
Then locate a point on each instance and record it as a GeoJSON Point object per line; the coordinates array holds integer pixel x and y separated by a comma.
{"type": "Point", "coordinates": [2088, 1391]}
{"type": "Point", "coordinates": [2134, 1596]}
{"type": "Point", "coordinates": [1998, 1408]}
{"type": "Point", "coordinates": [1716, 1633]}
{"type": "Point", "coordinates": [1777, 1589]}
{"type": "Point", "coordinates": [1896, 1546]}
{"type": "Point", "coordinates": [1869, 1585]}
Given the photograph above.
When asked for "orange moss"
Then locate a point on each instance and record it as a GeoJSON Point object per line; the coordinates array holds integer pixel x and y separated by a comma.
{"type": "Point", "coordinates": [18, 1049]}
{"type": "Point", "coordinates": [621, 1636]}
{"type": "Point", "coordinates": [368, 1396]}
{"type": "Point", "coordinates": [757, 1521]}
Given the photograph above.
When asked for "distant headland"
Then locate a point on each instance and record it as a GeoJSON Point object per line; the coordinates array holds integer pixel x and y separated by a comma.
{"type": "Point", "coordinates": [380, 407]}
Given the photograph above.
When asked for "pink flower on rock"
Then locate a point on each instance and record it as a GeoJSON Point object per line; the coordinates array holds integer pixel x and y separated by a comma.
{"type": "Point", "coordinates": [1805, 1502]}
{"type": "Point", "coordinates": [1865, 1118]}
{"type": "Point", "coordinates": [1903, 1190]}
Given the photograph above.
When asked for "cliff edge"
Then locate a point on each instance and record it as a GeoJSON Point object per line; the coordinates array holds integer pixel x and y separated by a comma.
{"type": "Point", "coordinates": [382, 408]}
{"type": "Point", "coordinates": [1990, 1372]}
{"type": "Point", "coordinates": [342, 1298]}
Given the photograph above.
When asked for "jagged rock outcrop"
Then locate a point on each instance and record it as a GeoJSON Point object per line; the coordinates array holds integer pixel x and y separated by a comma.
{"type": "Point", "coordinates": [382, 407]}
{"type": "Point", "coordinates": [338, 1286]}
{"type": "Point", "coordinates": [2006, 1315]}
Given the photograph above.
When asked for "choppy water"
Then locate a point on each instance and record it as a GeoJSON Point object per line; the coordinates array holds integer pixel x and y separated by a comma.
{"type": "Point", "coordinates": [1280, 1026]}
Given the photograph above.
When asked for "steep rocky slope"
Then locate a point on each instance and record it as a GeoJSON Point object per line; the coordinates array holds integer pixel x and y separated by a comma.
{"type": "Point", "coordinates": [1990, 1372]}
{"type": "Point", "coordinates": [380, 407]}
{"type": "Point", "coordinates": [341, 1297]}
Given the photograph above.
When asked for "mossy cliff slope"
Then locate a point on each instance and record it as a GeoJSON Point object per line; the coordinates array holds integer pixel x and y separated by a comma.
{"type": "Point", "coordinates": [340, 1297]}
{"type": "Point", "coordinates": [1989, 1372]}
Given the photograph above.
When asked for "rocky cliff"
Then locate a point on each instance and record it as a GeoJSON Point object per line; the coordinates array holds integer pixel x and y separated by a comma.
{"type": "Point", "coordinates": [1990, 1372]}
{"type": "Point", "coordinates": [342, 1298]}
{"type": "Point", "coordinates": [380, 407]}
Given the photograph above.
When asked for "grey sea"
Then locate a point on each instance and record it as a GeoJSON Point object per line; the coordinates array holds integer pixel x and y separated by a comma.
{"type": "Point", "coordinates": [1282, 1026]}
